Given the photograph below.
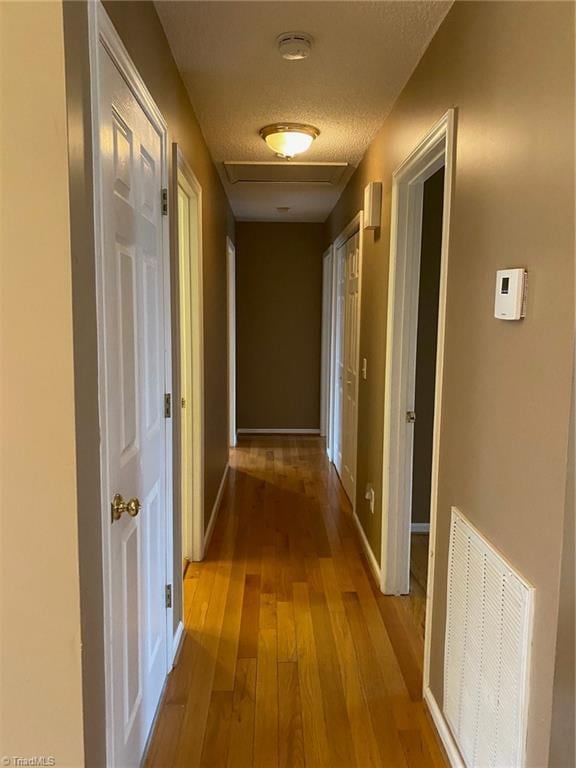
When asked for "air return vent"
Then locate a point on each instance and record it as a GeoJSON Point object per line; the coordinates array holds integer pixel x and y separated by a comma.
{"type": "Point", "coordinates": [285, 173]}
{"type": "Point", "coordinates": [488, 637]}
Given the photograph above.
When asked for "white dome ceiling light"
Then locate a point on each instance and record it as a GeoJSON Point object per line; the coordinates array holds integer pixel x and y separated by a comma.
{"type": "Point", "coordinates": [294, 46]}
{"type": "Point", "coordinates": [289, 139]}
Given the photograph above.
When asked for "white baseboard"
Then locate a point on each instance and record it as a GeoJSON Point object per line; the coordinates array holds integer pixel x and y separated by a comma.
{"type": "Point", "coordinates": [215, 509]}
{"type": "Point", "coordinates": [443, 730]}
{"type": "Point", "coordinates": [278, 431]}
{"type": "Point", "coordinates": [177, 642]}
{"type": "Point", "coordinates": [368, 550]}
{"type": "Point", "coordinates": [420, 527]}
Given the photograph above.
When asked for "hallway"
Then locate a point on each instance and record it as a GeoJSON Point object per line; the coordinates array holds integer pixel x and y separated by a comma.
{"type": "Point", "coordinates": [291, 656]}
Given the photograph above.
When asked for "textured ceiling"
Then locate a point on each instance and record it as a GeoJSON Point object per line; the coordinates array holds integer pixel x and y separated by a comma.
{"type": "Point", "coordinates": [362, 56]}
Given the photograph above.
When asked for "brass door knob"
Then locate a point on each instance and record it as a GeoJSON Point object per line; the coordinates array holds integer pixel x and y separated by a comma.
{"type": "Point", "coordinates": [119, 506]}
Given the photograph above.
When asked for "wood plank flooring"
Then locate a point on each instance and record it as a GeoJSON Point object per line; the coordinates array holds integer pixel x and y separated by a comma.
{"type": "Point", "coordinates": [291, 657]}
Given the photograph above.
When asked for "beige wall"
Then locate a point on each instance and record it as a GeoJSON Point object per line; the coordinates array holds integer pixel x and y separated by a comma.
{"type": "Point", "coordinates": [40, 665]}
{"type": "Point", "coordinates": [279, 317]}
{"type": "Point", "coordinates": [508, 69]}
{"type": "Point", "coordinates": [562, 743]}
{"type": "Point", "coordinates": [429, 286]}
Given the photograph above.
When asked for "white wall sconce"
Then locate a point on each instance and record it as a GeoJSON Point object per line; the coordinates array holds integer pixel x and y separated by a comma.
{"type": "Point", "coordinates": [372, 205]}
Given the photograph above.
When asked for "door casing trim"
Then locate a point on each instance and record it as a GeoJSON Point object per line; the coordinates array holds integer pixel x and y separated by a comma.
{"type": "Point", "coordinates": [436, 149]}
{"type": "Point", "coordinates": [326, 358]}
{"type": "Point", "coordinates": [356, 224]}
{"type": "Point", "coordinates": [231, 313]}
{"type": "Point", "coordinates": [193, 528]}
{"type": "Point", "coordinates": [101, 31]}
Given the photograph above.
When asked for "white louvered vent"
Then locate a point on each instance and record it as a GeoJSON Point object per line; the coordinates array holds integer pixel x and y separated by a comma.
{"type": "Point", "coordinates": [488, 639]}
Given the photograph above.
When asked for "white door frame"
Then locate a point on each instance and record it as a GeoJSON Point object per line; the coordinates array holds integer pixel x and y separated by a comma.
{"type": "Point", "coordinates": [102, 31]}
{"type": "Point", "coordinates": [191, 314]}
{"type": "Point", "coordinates": [231, 306]}
{"type": "Point", "coordinates": [334, 340]}
{"type": "Point", "coordinates": [434, 151]}
{"type": "Point", "coordinates": [353, 226]}
{"type": "Point", "coordinates": [326, 361]}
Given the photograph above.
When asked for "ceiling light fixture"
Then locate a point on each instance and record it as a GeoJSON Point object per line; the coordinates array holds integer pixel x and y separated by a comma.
{"type": "Point", "coordinates": [289, 139]}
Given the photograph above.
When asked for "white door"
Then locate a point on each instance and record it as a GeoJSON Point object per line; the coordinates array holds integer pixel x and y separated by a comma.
{"type": "Point", "coordinates": [231, 278]}
{"type": "Point", "coordinates": [339, 335]}
{"type": "Point", "coordinates": [325, 376]}
{"type": "Point", "coordinates": [185, 279]}
{"type": "Point", "coordinates": [189, 193]}
{"type": "Point", "coordinates": [132, 328]}
{"type": "Point", "coordinates": [350, 365]}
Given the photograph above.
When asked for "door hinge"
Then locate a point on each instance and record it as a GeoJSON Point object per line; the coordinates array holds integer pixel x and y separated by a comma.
{"type": "Point", "coordinates": [168, 595]}
{"type": "Point", "coordinates": [167, 406]}
{"type": "Point", "coordinates": [164, 202]}
{"type": "Point", "coordinates": [410, 417]}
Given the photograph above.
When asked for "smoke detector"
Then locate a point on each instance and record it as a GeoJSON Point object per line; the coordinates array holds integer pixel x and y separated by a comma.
{"type": "Point", "coordinates": [294, 46]}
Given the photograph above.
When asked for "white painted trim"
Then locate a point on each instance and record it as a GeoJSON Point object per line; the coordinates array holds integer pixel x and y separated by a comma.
{"type": "Point", "coordinates": [361, 235]}
{"type": "Point", "coordinates": [420, 527]}
{"type": "Point", "coordinates": [434, 150]}
{"type": "Point", "coordinates": [231, 310]}
{"type": "Point", "coordinates": [326, 358]}
{"type": "Point", "coordinates": [350, 229]}
{"type": "Point", "coordinates": [101, 32]}
{"type": "Point", "coordinates": [443, 730]}
{"type": "Point", "coordinates": [372, 562]}
{"type": "Point", "coordinates": [355, 225]}
{"type": "Point", "coordinates": [278, 431]}
{"type": "Point", "coordinates": [192, 518]}
{"type": "Point", "coordinates": [177, 641]}
{"type": "Point", "coordinates": [449, 121]}
{"type": "Point", "coordinates": [216, 508]}
{"type": "Point", "coordinates": [332, 445]}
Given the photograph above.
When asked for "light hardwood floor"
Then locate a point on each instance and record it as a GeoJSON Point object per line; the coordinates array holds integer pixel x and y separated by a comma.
{"type": "Point", "coordinates": [291, 655]}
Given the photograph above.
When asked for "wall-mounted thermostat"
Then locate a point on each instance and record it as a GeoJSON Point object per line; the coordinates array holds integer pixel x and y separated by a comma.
{"type": "Point", "coordinates": [372, 204]}
{"type": "Point", "coordinates": [511, 287]}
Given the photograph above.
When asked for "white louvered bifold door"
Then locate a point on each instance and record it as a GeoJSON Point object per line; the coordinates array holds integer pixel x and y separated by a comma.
{"type": "Point", "coordinates": [488, 637]}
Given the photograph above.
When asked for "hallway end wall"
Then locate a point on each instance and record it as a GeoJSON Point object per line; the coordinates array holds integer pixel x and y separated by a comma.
{"type": "Point", "coordinates": [506, 389]}
{"type": "Point", "coordinates": [278, 325]}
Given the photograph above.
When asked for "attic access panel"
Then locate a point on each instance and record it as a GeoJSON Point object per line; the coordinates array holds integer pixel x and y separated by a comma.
{"type": "Point", "coordinates": [284, 172]}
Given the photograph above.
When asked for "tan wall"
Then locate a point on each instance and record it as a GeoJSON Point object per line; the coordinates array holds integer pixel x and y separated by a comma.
{"type": "Point", "coordinates": [508, 68]}
{"type": "Point", "coordinates": [40, 666]}
{"type": "Point", "coordinates": [279, 317]}
{"type": "Point", "coordinates": [85, 379]}
{"type": "Point", "coordinates": [138, 25]}
{"type": "Point", "coordinates": [562, 743]}
{"type": "Point", "coordinates": [429, 286]}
